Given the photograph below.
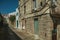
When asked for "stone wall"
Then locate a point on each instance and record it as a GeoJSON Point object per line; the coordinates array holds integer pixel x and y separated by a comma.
{"type": "Point", "coordinates": [58, 29]}
{"type": "Point", "coordinates": [45, 27]}
{"type": "Point", "coordinates": [30, 25]}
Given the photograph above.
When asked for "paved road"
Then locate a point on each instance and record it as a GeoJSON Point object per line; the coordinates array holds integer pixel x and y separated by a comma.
{"type": "Point", "coordinates": [7, 34]}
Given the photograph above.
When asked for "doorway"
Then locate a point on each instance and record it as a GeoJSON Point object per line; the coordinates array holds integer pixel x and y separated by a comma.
{"type": "Point", "coordinates": [36, 27]}
{"type": "Point", "coordinates": [17, 23]}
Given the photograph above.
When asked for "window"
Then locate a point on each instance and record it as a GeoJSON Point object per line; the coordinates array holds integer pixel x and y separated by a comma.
{"type": "Point", "coordinates": [40, 3]}
{"type": "Point", "coordinates": [34, 2]}
{"type": "Point", "coordinates": [53, 1]}
{"type": "Point", "coordinates": [17, 23]}
{"type": "Point", "coordinates": [43, 2]}
{"type": "Point", "coordinates": [36, 27]}
{"type": "Point", "coordinates": [24, 9]}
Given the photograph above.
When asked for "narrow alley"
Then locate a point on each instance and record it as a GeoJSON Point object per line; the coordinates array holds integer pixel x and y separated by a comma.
{"type": "Point", "coordinates": [7, 34]}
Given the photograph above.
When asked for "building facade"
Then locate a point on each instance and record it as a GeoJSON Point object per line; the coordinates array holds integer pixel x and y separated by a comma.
{"type": "Point", "coordinates": [37, 18]}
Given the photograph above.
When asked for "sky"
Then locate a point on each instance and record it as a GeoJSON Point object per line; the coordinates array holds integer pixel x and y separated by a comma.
{"type": "Point", "coordinates": [8, 6]}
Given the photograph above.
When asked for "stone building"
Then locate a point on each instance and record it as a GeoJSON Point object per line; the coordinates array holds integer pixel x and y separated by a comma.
{"type": "Point", "coordinates": [37, 17]}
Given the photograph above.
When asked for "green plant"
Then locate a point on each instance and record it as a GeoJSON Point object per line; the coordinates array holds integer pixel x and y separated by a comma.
{"type": "Point", "coordinates": [12, 18]}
